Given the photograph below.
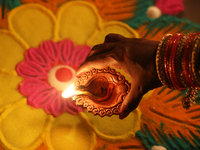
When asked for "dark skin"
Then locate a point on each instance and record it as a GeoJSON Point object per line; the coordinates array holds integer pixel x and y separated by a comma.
{"type": "Point", "coordinates": [134, 56]}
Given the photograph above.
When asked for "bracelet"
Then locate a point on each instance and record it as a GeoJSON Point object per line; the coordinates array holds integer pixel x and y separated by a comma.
{"type": "Point", "coordinates": [167, 59]}
{"type": "Point", "coordinates": [178, 61]}
{"type": "Point", "coordinates": [186, 60]}
{"type": "Point", "coordinates": [178, 65]}
{"type": "Point", "coordinates": [160, 60]}
{"type": "Point", "coordinates": [173, 74]}
{"type": "Point", "coordinates": [195, 61]}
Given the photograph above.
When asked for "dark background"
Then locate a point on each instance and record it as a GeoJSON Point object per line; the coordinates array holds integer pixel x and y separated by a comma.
{"type": "Point", "coordinates": [192, 10]}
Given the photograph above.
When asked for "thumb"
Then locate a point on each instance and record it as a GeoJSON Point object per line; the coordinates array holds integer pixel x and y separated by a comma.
{"type": "Point", "coordinates": [131, 101]}
{"type": "Point", "coordinates": [112, 37]}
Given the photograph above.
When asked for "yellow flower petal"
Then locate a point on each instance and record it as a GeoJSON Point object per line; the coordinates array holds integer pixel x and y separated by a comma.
{"type": "Point", "coordinates": [112, 128]}
{"type": "Point", "coordinates": [34, 23]}
{"type": "Point", "coordinates": [8, 88]}
{"type": "Point", "coordinates": [111, 27]}
{"type": "Point", "coordinates": [78, 20]}
{"type": "Point", "coordinates": [147, 95]}
{"type": "Point", "coordinates": [21, 126]}
{"type": "Point", "coordinates": [11, 50]}
{"type": "Point", "coordinates": [67, 131]}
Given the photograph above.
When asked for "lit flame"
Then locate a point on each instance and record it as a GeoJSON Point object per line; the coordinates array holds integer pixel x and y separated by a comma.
{"type": "Point", "coordinates": [69, 92]}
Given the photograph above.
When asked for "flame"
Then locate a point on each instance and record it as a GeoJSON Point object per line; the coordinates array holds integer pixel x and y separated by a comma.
{"type": "Point", "coordinates": [69, 92]}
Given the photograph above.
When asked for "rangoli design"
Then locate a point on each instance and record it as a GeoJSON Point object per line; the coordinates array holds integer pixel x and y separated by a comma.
{"type": "Point", "coordinates": [48, 71]}
{"type": "Point", "coordinates": [42, 43]}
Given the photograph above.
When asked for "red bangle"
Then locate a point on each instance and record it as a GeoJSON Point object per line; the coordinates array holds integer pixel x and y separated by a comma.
{"type": "Point", "coordinates": [173, 72]}
{"type": "Point", "coordinates": [167, 57]}
{"type": "Point", "coordinates": [178, 60]}
{"type": "Point", "coordinates": [186, 59]}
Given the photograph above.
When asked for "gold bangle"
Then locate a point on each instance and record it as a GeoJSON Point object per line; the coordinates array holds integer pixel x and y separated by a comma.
{"type": "Point", "coordinates": [194, 61]}
{"type": "Point", "coordinates": [160, 60]}
{"type": "Point", "coordinates": [179, 60]}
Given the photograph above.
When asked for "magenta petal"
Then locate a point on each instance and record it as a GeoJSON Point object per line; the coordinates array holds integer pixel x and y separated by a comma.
{"type": "Point", "coordinates": [51, 50]}
{"type": "Point", "coordinates": [66, 50]}
{"type": "Point", "coordinates": [57, 106]}
{"type": "Point", "coordinates": [28, 69]}
{"type": "Point", "coordinates": [72, 108]}
{"type": "Point", "coordinates": [29, 86]}
{"type": "Point", "coordinates": [40, 98]}
{"type": "Point", "coordinates": [71, 54]}
{"type": "Point", "coordinates": [41, 95]}
{"type": "Point", "coordinates": [81, 54]}
{"type": "Point", "coordinates": [49, 100]}
{"type": "Point", "coordinates": [39, 57]}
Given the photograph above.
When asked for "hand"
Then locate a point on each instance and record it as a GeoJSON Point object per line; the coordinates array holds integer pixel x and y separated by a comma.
{"type": "Point", "coordinates": [136, 57]}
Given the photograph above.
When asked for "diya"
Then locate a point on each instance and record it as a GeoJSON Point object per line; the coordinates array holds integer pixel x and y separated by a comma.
{"type": "Point", "coordinates": [101, 91]}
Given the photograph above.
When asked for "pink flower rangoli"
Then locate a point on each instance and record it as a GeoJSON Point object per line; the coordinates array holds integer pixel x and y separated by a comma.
{"type": "Point", "coordinates": [48, 71]}
{"type": "Point", "coordinates": [170, 7]}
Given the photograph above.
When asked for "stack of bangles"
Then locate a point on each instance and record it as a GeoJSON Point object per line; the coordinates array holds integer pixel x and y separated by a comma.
{"type": "Point", "coordinates": [178, 64]}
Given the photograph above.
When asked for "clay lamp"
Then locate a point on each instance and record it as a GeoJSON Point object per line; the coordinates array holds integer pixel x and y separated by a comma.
{"type": "Point", "coordinates": [101, 91]}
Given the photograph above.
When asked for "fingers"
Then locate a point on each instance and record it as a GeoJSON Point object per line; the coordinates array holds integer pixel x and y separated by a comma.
{"type": "Point", "coordinates": [131, 102]}
{"type": "Point", "coordinates": [98, 61]}
{"type": "Point", "coordinates": [109, 44]}
{"type": "Point", "coordinates": [97, 58]}
{"type": "Point", "coordinates": [113, 38]}
{"type": "Point", "coordinates": [101, 48]}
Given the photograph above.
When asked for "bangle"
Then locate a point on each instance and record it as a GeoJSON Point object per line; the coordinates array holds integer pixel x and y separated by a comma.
{"type": "Point", "coordinates": [160, 60]}
{"type": "Point", "coordinates": [178, 59]}
{"type": "Point", "coordinates": [167, 57]}
{"type": "Point", "coordinates": [192, 92]}
{"type": "Point", "coordinates": [173, 74]}
{"type": "Point", "coordinates": [186, 60]}
{"type": "Point", "coordinates": [178, 65]}
{"type": "Point", "coordinates": [195, 61]}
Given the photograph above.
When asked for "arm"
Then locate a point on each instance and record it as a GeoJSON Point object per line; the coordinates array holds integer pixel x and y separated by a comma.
{"type": "Point", "coordinates": [173, 62]}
